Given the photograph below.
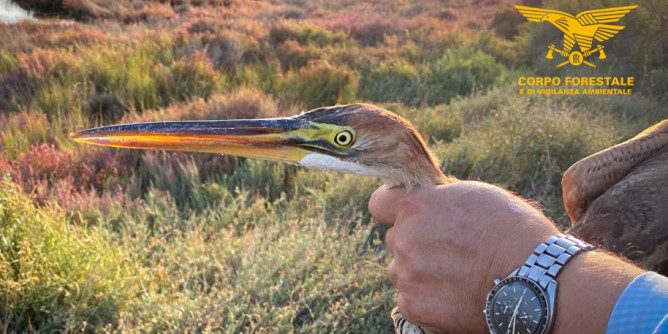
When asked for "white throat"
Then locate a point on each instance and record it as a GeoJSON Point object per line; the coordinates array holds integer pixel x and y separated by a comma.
{"type": "Point", "coordinates": [326, 162]}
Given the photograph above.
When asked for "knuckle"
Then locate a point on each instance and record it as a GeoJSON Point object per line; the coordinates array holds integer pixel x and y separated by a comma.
{"type": "Point", "coordinates": [393, 273]}
{"type": "Point", "coordinates": [402, 245]}
{"type": "Point", "coordinates": [390, 239]}
{"type": "Point", "coordinates": [410, 206]}
{"type": "Point", "coordinates": [406, 280]}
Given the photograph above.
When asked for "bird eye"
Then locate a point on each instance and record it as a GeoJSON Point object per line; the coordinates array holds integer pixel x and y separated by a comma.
{"type": "Point", "coordinates": [344, 138]}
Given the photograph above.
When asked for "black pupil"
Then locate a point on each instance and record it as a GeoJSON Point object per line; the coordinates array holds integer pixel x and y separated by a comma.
{"type": "Point", "coordinates": [343, 138]}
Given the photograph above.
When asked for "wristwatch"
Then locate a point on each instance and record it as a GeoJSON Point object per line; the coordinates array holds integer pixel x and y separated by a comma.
{"type": "Point", "coordinates": [524, 302]}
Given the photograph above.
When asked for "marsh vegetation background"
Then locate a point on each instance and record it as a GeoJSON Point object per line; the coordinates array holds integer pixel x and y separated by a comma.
{"type": "Point", "coordinates": [105, 240]}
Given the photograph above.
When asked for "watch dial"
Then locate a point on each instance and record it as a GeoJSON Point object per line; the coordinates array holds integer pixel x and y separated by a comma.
{"type": "Point", "coordinates": [517, 308]}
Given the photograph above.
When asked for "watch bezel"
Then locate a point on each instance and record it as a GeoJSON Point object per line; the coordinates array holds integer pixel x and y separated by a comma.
{"type": "Point", "coordinates": [546, 317]}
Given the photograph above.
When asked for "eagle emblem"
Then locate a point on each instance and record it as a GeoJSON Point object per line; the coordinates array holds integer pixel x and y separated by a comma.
{"type": "Point", "coordinates": [581, 29]}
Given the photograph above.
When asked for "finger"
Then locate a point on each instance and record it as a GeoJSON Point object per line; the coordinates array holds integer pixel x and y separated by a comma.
{"type": "Point", "coordinates": [402, 305]}
{"type": "Point", "coordinates": [384, 204]}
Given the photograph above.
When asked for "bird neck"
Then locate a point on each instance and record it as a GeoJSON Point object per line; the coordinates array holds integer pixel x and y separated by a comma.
{"type": "Point", "coordinates": [422, 172]}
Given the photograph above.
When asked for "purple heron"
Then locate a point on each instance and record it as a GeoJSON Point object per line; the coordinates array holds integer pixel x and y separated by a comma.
{"type": "Point", "coordinates": [358, 138]}
{"type": "Point", "coordinates": [618, 198]}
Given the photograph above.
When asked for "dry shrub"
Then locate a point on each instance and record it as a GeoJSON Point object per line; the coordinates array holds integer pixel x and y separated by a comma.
{"type": "Point", "coordinates": [365, 29]}
{"type": "Point", "coordinates": [78, 34]}
{"type": "Point", "coordinates": [293, 55]}
{"type": "Point", "coordinates": [178, 111]}
{"type": "Point", "coordinates": [85, 9]}
{"type": "Point", "coordinates": [319, 84]}
{"type": "Point", "coordinates": [202, 26]}
{"type": "Point", "coordinates": [193, 75]}
{"type": "Point", "coordinates": [506, 23]}
{"type": "Point", "coordinates": [243, 103]}
{"type": "Point", "coordinates": [180, 173]}
{"type": "Point", "coordinates": [5, 166]}
{"type": "Point", "coordinates": [26, 36]}
{"type": "Point", "coordinates": [151, 13]}
{"type": "Point", "coordinates": [303, 33]}
{"type": "Point", "coordinates": [201, 3]}
{"type": "Point", "coordinates": [229, 49]}
{"type": "Point", "coordinates": [21, 130]}
{"type": "Point", "coordinates": [43, 63]}
{"type": "Point", "coordinates": [16, 89]}
{"type": "Point", "coordinates": [105, 108]}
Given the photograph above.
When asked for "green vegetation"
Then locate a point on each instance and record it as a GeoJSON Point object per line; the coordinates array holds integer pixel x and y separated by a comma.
{"type": "Point", "coordinates": [105, 240]}
{"type": "Point", "coordinates": [55, 275]}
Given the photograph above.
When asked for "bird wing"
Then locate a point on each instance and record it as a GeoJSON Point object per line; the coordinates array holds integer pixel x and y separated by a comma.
{"type": "Point", "coordinates": [583, 41]}
{"type": "Point", "coordinates": [606, 31]}
{"type": "Point", "coordinates": [606, 15]}
{"type": "Point", "coordinates": [590, 177]}
{"type": "Point", "coordinates": [569, 41]}
{"type": "Point", "coordinates": [534, 14]}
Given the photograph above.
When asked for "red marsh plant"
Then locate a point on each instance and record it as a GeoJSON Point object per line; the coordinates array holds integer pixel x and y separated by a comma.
{"type": "Point", "coordinates": [29, 35]}
{"type": "Point", "coordinates": [45, 171]}
{"type": "Point", "coordinates": [42, 63]}
{"type": "Point", "coordinates": [149, 12]}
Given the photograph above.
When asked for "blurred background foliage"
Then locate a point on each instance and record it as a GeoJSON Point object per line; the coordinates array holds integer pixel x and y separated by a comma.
{"type": "Point", "coordinates": [106, 240]}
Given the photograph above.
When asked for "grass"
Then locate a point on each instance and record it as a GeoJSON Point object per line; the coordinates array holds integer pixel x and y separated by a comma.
{"type": "Point", "coordinates": [106, 240]}
{"type": "Point", "coordinates": [57, 276]}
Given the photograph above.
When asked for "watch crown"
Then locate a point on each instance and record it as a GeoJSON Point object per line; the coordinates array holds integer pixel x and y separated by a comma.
{"type": "Point", "coordinates": [497, 281]}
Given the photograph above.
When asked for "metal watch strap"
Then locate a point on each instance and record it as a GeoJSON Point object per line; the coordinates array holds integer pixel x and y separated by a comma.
{"type": "Point", "coordinates": [549, 257]}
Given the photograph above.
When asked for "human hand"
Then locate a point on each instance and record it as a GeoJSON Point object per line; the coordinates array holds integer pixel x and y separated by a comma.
{"type": "Point", "coordinates": [449, 244]}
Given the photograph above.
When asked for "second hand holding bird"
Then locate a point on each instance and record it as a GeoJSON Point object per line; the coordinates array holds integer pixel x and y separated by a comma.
{"type": "Point", "coordinates": [448, 247]}
{"type": "Point", "coordinates": [450, 243]}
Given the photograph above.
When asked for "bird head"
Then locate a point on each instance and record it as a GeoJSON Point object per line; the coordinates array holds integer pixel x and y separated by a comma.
{"type": "Point", "coordinates": [549, 17]}
{"type": "Point", "coordinates": [357, 138]}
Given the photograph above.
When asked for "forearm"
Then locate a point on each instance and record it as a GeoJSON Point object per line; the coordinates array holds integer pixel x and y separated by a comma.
{"type": "Point", "coordinates": [589, 287]}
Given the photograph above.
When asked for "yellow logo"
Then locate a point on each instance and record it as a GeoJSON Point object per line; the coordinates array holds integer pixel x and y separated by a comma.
{"type": "Point", "coordinates": [582, 28]}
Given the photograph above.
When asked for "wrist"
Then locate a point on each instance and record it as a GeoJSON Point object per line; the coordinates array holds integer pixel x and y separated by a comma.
{"type": "Point", "coordinates": [539, 279]}
{"type": "Point", "coordinates": [589, 287]}
{"type": "Point", "coordinates": [515, 252]}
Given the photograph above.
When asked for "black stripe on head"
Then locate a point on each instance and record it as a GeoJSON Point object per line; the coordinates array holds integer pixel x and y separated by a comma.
{"type": "Point", "coordinates": [331, 115]}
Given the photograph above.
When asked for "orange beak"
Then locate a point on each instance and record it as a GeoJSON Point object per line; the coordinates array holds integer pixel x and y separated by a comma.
{"type": "Point", "coordinates": [268, 139]}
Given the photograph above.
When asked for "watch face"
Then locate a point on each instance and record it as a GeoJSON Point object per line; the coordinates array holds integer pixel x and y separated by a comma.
{"type": "Point", "coordinates": [517, 305]}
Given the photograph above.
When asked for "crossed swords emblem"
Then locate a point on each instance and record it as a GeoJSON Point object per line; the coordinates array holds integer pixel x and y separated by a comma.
{"type": "Point", "coordinates": [575, 58]}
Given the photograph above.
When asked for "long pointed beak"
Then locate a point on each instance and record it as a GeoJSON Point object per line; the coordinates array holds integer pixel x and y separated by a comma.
{"type": "Point", "coordinates": [268, 139]}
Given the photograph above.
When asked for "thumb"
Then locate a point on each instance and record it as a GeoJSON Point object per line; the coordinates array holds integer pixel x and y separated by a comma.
{"type": "Point", "coordinates": [384, 204]}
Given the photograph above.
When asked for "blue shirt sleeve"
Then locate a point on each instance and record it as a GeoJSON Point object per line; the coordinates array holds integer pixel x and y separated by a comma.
{"type": "Point", "coordinates": [643, 307]}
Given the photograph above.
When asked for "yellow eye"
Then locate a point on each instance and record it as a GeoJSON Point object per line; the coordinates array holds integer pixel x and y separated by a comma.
{"type": "Point", "coordinates": [344, 138]}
